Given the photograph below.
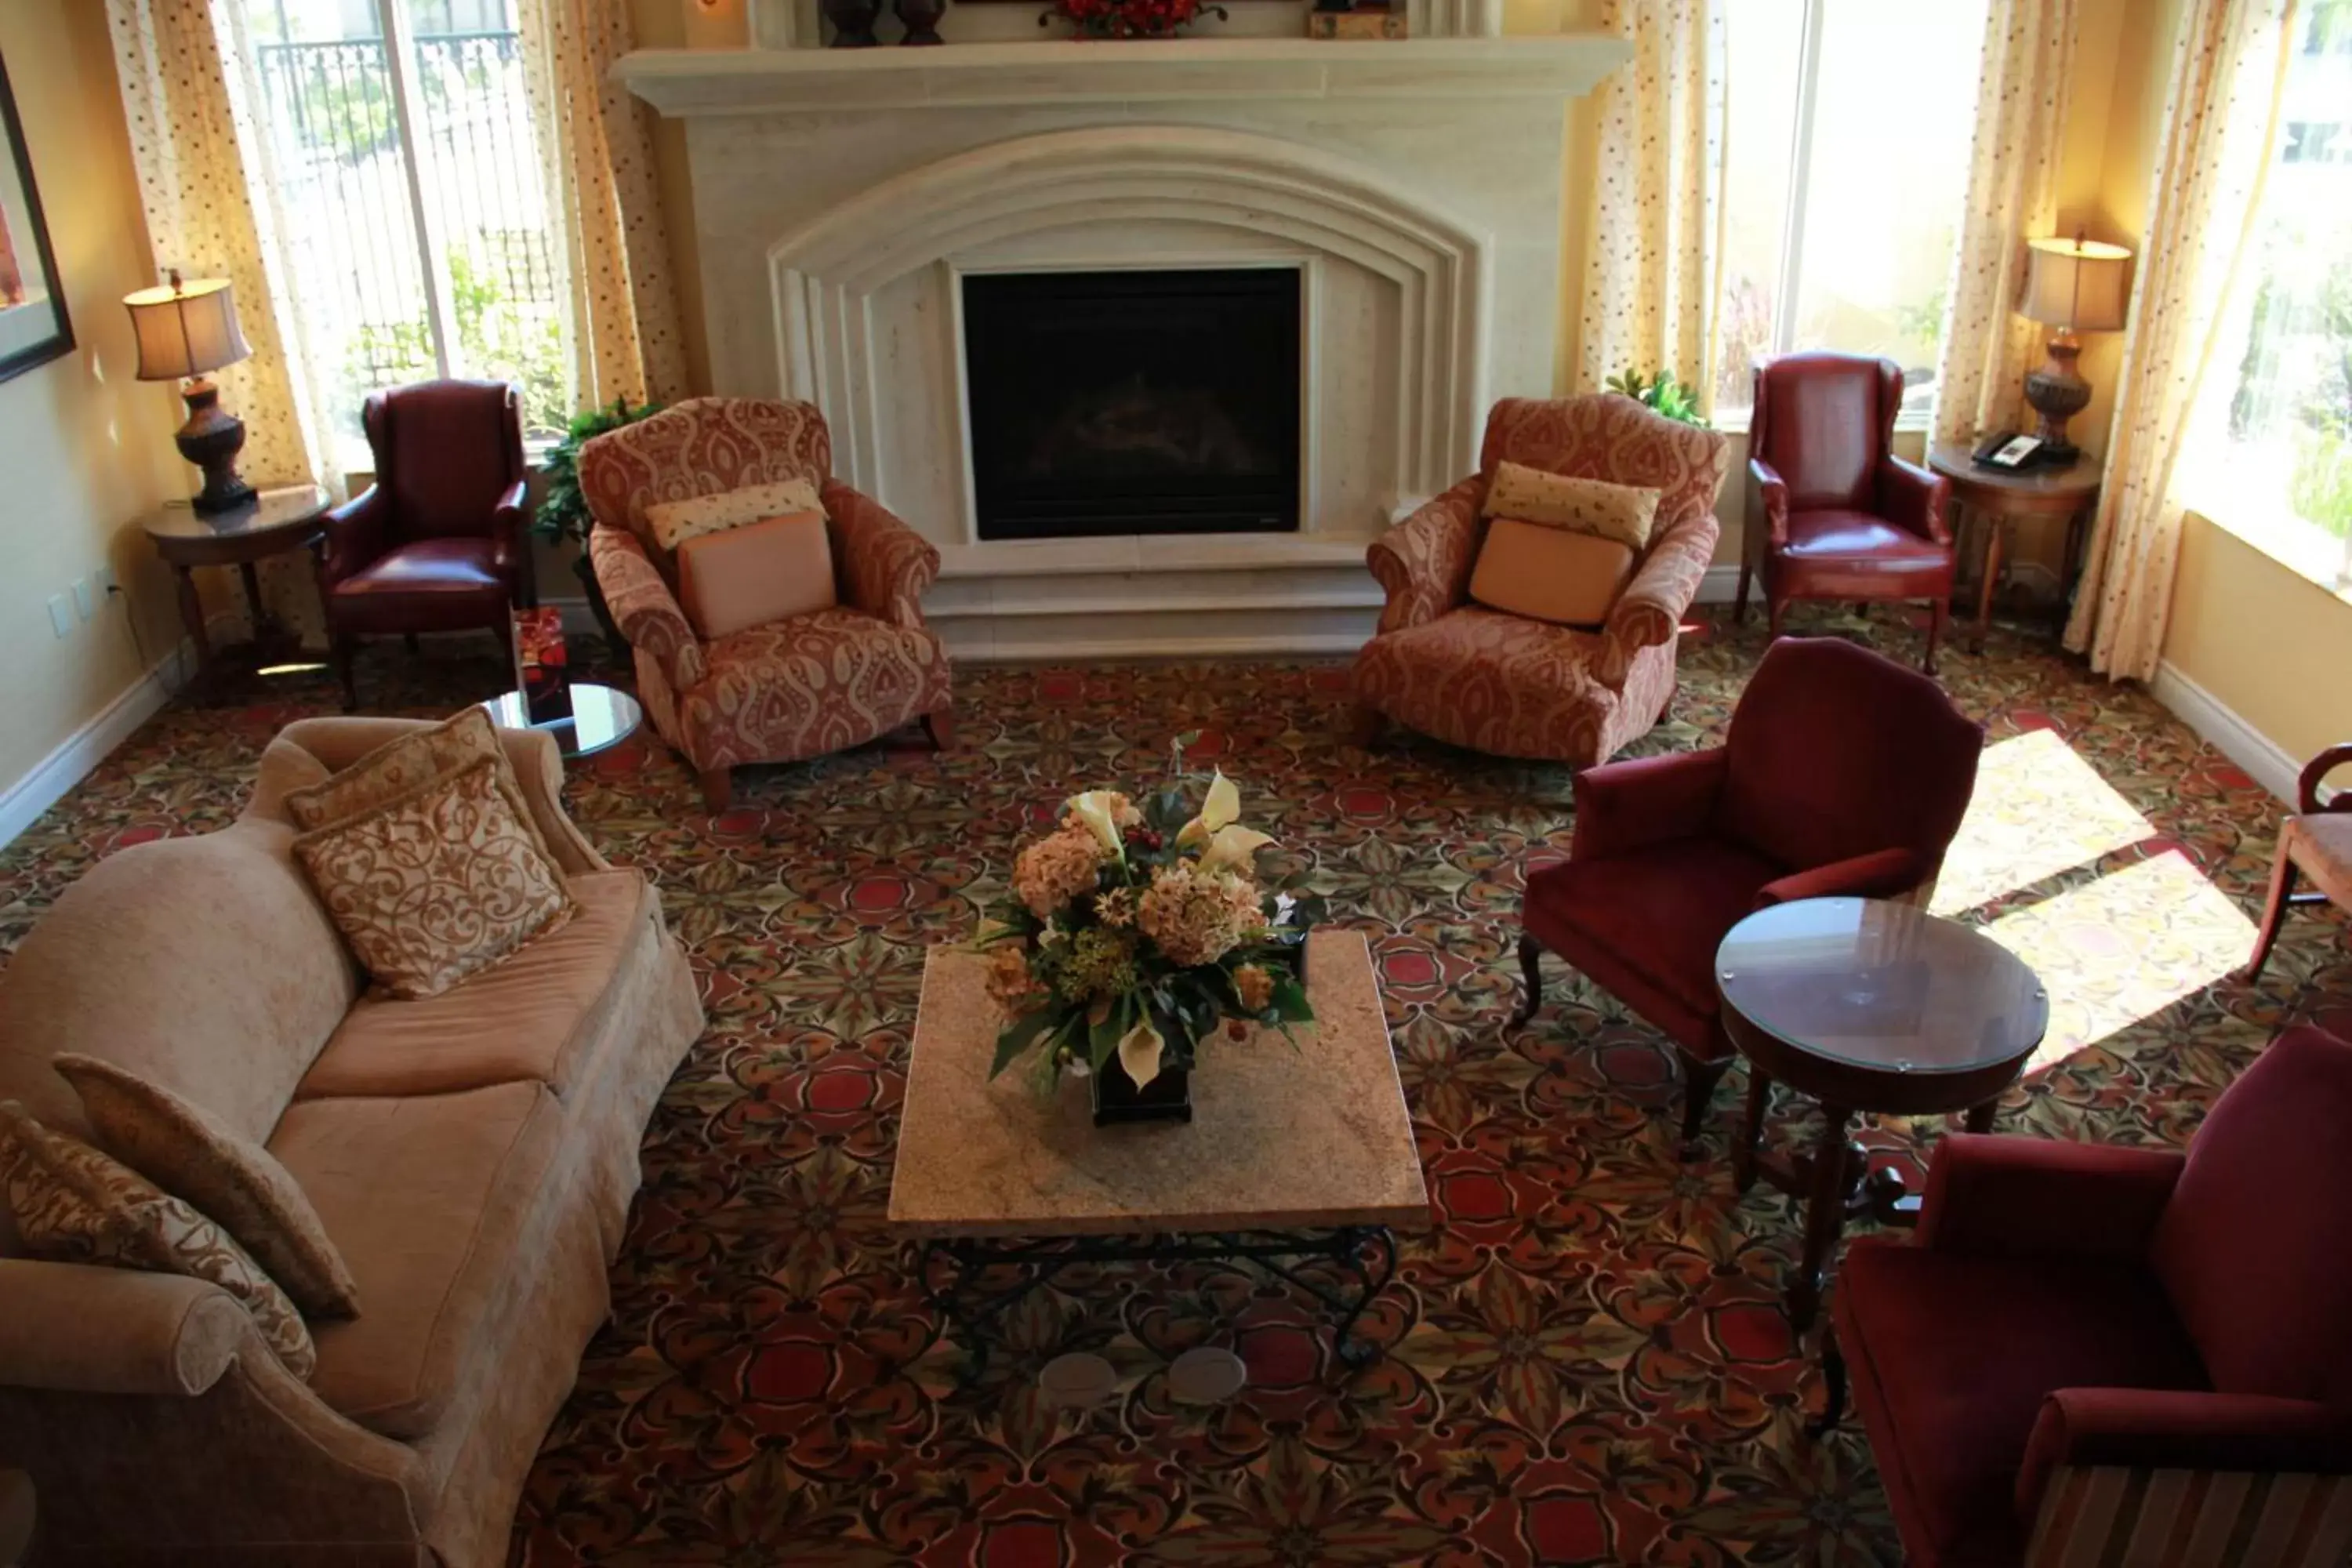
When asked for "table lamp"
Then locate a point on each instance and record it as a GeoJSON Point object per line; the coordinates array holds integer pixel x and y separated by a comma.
{"type": "Point", "coordinates": [187, 331]}
{"type": "Point", "coordinates": [2073, 286]}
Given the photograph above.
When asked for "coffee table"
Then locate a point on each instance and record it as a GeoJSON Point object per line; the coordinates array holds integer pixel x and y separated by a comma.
{"type": "Point", "coordinates": [1868, 1007]}
{"type": "Point", "coordinates": [1291, 1156]}
{"type": "Point", "coordinates": [601, 717]}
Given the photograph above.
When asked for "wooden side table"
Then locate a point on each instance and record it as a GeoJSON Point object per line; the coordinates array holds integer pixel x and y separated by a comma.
{"type": "Point", "coordinates": [2071, 492]}
{"type": "Point", "coordinates": [273, 522]}
{"type": "Point", "coordinates": [1867, 1005]}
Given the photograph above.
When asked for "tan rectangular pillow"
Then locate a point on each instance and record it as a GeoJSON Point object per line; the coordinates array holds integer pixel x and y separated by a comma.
{"type": "Point", "coordinates": [1549, 573]}
{"type": "Point", "coordinates": [1624, 512]}
{"type": "Point", "coordinates": [435, 885]}
{"type": "Point", "coordinates": [767, 571]}
{"type": "Point", "coordinates": [230, 1180]}
{"type": "Point", "coordinates": [73, 1204]}
{"type": "Point", "coordinates": [676, 522]}
{"type": "Point", "coordinates": [397, 767]}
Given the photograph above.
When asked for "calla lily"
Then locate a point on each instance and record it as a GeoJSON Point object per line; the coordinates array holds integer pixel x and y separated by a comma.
{"type": "Point", "coordinates": [1097, 809]}
{"type": "Point", "coordinates": [1139, 1053]}
{"type": "Point", "coordinates": [1233, 847]}
{"type": "Point", "coordinates": [1221, 806]}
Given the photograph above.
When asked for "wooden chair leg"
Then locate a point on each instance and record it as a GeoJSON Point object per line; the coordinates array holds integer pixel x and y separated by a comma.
{"type": "Point", "coordinates": [1699, 1080]}
{"type": "Point", "coordinates": [1364, 727]}
{"type": "Point", "coordinates": [408, 640]}
{"type": "Point", "coordinates": [1833, 1389]}
{"type": "Point", "coordinates": [1777, 611]}
{"type": "Point", "coordinates": [717, 788]}
{"type": "Point", "coordinates": [1739, 600]}
{"type": "Point", "coordinates": [940, 724]}
{"type": "Point", "coordinates": [2273, 917]}
{"type": "Point", "coordinates": [343, 655]}
{"type": "Point", "coordinates": [1531, 997]}
{"type": "Point", "coordinates": [1938, 612]}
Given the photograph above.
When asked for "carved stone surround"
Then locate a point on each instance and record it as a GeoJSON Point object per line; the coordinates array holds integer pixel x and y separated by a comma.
{"type": "Point", "coordinates": [840, 196]}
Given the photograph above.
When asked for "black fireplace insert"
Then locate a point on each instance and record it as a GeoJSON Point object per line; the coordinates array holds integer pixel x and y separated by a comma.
{"type": "Point", "coordinates": [1133, 402]}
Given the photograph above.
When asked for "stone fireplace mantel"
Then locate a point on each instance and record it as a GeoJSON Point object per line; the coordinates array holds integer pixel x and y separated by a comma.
{"type": "Point", "coordinates": [1416, 189]}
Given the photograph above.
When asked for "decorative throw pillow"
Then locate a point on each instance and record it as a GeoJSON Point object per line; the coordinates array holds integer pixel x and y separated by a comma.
{"type": "Point", "coordinates": [1623, 513]}
{"type": "Point", "coordinates": [676, 522]}
{"type": "Point", "coordinates": [1549, 573]}
{"type": "Point", "coordinates": [435, 885]}
{"type": "Point", "coordinates": [73, 1204]}
{"type": "Point", "coordinates": [398, 766]}
{"type": "Point", "coordinates": [766, 571]}
{"type": "Point", "coordinates": [234, 1182]}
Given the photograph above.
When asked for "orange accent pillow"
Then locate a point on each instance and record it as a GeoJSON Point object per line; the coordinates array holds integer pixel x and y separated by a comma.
{"type": "Point", "coordinates": [1549, 573]}
{"type": "Point", "coordinates": [766, 571]}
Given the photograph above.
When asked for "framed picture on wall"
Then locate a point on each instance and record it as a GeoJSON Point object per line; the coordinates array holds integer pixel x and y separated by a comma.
{"type": "Point", "coordinates": [33, 325]}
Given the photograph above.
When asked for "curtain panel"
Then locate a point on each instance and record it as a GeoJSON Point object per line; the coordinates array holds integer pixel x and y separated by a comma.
{"type": "Point", "coordinates": [1655, 248]}
{"type": "Point", "coordinates": [2221, 121]}
{"type": "Point", "coordinates": [2012, 197]}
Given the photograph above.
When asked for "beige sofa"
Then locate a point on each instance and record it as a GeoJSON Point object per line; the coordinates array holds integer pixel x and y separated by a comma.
{"type": "Point", "coordinates": [472, 1156]}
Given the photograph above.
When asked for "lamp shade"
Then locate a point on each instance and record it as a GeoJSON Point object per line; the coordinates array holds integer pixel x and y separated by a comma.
{"type": "Point", "coordinates": [2076, 283]}
{"type": "Point", "coordinates": [187, 329]}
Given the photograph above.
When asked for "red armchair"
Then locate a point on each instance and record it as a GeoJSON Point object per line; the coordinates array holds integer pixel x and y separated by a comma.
{"type": "Point", "coordinates": [437, 543]}
{"type": "Point", "coordinates": [2084, 1354]}
{"type": "Point", "coordinates": [2315, 842]}
{"type": "Point", "coordinates": [1833, 513]}
{"type": "Point", "coordinates": [1844, 775]}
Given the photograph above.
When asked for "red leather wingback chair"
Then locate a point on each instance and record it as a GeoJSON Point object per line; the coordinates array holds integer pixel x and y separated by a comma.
{"type": "Point", "coordinates": [437, 543]}
{"type": "Point", "coordinates": [1844, 775]}
{"type": "Point", "coordinates": [2086, 1354]}
{"type": "Point", "coordinates": [1833, 513]}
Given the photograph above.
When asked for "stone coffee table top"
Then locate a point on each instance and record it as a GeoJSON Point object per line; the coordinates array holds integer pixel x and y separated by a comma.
{"type": "Point", "coordinates": [1279, 1139]}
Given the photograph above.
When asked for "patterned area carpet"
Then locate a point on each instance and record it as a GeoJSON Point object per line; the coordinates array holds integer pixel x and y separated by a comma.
{"type": "Point", "coordinates": [1586, 1359]}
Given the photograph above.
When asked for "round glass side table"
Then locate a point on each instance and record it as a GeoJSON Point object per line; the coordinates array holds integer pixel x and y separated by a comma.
{"type": "Point", "coordinates": [601, 719]}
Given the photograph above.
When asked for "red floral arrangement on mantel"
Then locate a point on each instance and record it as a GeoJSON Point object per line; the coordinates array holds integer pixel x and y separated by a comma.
{"type": "Point", "coordinates": [1129, 18]}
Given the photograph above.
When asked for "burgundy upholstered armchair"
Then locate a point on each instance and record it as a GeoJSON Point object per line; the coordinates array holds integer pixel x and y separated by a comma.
{"type": "Point", "coordinates": [1844, 775]}
{"type": "Point", "coordinates": [2087, 1354]}
{"type": "Point", "coordinates": [437, 543]}
{"type": "Point", "coordinates": [1833, 513]}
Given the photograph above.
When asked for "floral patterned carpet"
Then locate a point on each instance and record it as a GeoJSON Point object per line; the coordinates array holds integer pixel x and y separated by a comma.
{"type": "Point", "coordinates": [1585, 1356]}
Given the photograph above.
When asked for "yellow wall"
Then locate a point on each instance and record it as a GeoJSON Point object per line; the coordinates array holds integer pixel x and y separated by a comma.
{"type": "Point", "coordinates": [85, 448]}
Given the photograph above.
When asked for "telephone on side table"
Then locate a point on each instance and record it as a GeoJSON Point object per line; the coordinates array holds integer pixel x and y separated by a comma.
{"type": "Point", "coordinates": [2009, 452]}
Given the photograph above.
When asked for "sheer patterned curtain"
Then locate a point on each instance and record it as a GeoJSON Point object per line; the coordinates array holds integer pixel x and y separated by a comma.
{"type": "Point", "coordinates": [596, 143]}
{"type": "Point", "coordinates": [1656, 246]}
{"type": "Point", "coordinates": [2012, 197]}
{"type": "Point", "coordinates": [2219, 122]}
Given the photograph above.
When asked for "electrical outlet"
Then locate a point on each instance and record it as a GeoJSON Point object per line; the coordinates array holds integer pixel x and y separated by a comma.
{"type": "Point", "coordinates": [82, 601]}
{"type": "Point", "coordinates": [103, 581]}
{"type": "Point", "coordinates": [60, 616]}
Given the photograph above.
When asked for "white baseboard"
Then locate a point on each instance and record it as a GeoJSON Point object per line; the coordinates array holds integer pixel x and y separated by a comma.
{"type": "Point", "coordinates": [2219, 725]}
{"type": "Point", "coordinates": [22, 803]}
{"type": "Point", "coordinates": [1720, 584]}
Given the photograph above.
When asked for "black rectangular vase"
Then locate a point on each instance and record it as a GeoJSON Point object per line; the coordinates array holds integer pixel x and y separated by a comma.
{"type": "Point", "coordinates": [1168, 1097]}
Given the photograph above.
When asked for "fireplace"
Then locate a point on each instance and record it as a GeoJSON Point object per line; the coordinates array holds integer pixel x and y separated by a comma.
{"type": "Point", "coordinates": [1133, 402]}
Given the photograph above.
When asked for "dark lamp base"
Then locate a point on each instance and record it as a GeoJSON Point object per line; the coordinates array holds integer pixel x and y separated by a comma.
{"type": "Point", "coordinates": [211, 439]}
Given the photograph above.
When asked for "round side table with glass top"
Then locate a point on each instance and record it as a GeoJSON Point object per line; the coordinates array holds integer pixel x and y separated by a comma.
{"type": "Point", "coordinates": [601, 719]}
{"type": "Point", "coordinates": [1870, 1007]}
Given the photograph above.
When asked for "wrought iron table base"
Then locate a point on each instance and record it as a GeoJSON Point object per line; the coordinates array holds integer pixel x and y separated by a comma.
{"type": "Point", "coordinates": [1365, 1256]}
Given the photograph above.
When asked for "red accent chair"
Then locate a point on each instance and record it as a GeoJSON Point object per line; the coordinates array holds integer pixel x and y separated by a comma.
{"type": "Point", "coordinates": [1844, 775]}
{"type": "Point", "coordinates": [437, 543]}
{"type": "Point", "coordinates": [2317, 843]}
{"type": "Point", "coordinates": [2085, 1352]}
{"type": "Point", "coordinates": [1833, 513]}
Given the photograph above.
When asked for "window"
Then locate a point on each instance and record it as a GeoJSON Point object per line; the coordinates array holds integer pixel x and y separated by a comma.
{"type": "Point", "coordinates": [2270, 451]}
{"type": "Point", "coordinates": [415, 212]}
{"type": "Point", "coordinates": [1846, 156]}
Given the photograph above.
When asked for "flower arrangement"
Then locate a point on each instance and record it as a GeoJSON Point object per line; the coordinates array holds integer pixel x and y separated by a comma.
{"type": "Point", "coordinates": [1129, 18]}
{"type": "Point", "coordinates": [1133, 932]}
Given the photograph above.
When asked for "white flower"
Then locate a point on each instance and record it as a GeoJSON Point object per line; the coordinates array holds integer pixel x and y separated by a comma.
{"type": "Point", "coordinates": [1234, 849]}
{"type": "Point", "coordinates": [1098, 809]}
{"type": "Point", "coordinates": [1223, 804]}
{"type": "Point", "coordinates": [1139, 1053]}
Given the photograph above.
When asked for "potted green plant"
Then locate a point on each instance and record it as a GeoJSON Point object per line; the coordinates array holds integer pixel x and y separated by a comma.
{"type": "Point", "coordinates": [1661, 392]}
{"type": "Point", "coordinates": [563, 514]}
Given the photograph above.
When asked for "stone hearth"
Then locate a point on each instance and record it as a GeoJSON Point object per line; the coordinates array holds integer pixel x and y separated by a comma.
{"type": "Point", "coordinates": [842, 196]}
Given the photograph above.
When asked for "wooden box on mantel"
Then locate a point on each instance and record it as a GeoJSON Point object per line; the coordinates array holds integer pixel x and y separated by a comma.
{"type": "Point", "coordinates": [1367, 23]}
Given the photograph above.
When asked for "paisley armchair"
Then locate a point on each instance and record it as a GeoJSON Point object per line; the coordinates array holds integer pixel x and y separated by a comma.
{"type": "Point", "coordinates": [793, 689]}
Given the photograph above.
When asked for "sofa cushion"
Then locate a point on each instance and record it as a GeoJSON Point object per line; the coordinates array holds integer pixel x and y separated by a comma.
{"type": "Point", "coordinates": [442, 1204]}
{"type": "Point", "coordinates": [439, 884]}
{"type": "Point", "coordinates": [73, 1204]}
{"type": "Point", "coordinates": [1596, 506]}
{"type": "Point", "coordinates": [397, 767]}
{"type": "Point", "coordinates": [674, 522]}
{"type": "Point", "coordinates": [188, 1152]}
{"type": "Point", "coordinates": [1550, 574]}
{"type": "Point", "coordinates": [1953, 1352]}
{"type": "Point", "coordinates": [204, 964]}
{"type": "Point", "coordinates": [766, 571]}
{"type": "Point", "coordinates": [527, 1020]}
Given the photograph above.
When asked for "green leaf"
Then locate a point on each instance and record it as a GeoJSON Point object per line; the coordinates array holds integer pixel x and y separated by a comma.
{"type": "Point", "coordinates": [1289, 1001]}
{"type": "Point", "coordinates": [1104, 1035]}
{"type": "Point", "coordinates": [1019, 1035]}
